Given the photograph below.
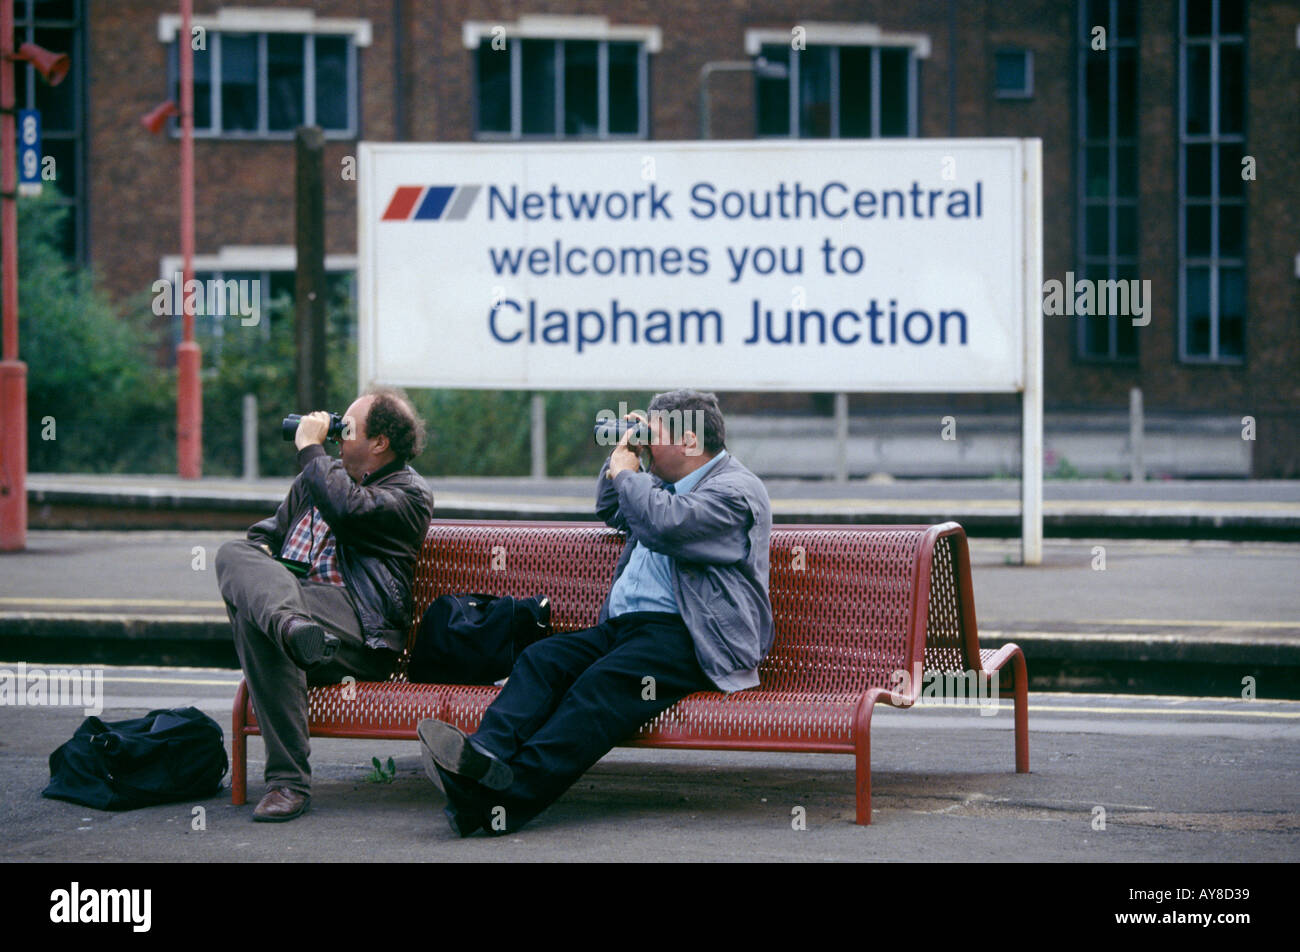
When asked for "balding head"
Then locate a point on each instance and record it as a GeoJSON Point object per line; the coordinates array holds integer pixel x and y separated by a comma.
{"type": "Point", "coordinates": [385, 428]}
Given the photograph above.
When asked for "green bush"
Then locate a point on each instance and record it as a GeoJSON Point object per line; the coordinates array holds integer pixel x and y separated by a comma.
{"type": "Point", "coordinates": [93, 368]}
{"type": "Point", "coordinates": [260, 360]}
{"type": "Point", "coordinates": [487, 432]}
{"type": "Point", "coordinates": [95, 402]}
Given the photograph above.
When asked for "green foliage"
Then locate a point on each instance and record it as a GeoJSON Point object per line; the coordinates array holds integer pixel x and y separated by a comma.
{"type": "Point", "coordinates": [1066, 470]}
{"type": "Point", "coordinates": [382, 773]}
{"type": "Point", "coordinates": [487, 432]}
{"type": "Point", "coordinates": [105, 373]}
{"type": "Point", "coordinates": [570, 416]}
{"type": "Point", "coordinates": [260, 360]}
{"type": "Point", "coordinates": [88, 368]}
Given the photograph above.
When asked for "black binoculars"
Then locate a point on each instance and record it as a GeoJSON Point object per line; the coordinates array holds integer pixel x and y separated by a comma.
{"type": "Point", "coordinates": [289, 427]}
{"type": "Point", "coordinates": [610, 432]}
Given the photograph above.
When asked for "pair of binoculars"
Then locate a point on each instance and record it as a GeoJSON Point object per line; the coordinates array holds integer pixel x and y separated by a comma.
{"type": "Point", "coordinates": [610, 432]}
{"type": "Point", "coordinates": [289, 427]}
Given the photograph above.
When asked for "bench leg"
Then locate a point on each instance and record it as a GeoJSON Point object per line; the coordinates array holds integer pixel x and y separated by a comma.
{"type": "Point", "coordinates": [1022, 713]}
{"type": "Point", "coordinates": [239, 748]}
{"type": "Point", "coordinates": [862, 754]}
{"type": "Point", "coordinates": [862, 745]}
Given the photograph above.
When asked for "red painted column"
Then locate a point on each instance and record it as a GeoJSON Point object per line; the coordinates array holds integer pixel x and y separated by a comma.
{"type": "Point", "coordinates": [13, 372]}
{"type": "Point", "coordinates": [189, 397]}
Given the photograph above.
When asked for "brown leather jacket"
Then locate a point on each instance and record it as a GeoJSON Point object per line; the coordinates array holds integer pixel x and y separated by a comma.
{"type": "Point", "coordinates": [379, 526]}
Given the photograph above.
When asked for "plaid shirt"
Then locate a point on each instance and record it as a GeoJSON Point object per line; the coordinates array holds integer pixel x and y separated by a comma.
{"type": "Point", "coordinates": [304, 545]}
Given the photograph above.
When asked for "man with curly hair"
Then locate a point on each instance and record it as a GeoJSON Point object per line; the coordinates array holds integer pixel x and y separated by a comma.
{"type": "Point", "coordinates": [322, 590]}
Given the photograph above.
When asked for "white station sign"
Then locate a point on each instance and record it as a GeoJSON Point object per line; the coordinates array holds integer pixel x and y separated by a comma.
{"type": "Point", "coordinates": [904, 265]}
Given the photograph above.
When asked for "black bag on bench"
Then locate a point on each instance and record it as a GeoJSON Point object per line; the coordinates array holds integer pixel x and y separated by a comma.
{"type": "Point", "coordinates": [475, 639]}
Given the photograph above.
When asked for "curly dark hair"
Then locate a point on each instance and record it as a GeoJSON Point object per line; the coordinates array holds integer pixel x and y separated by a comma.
{"type": "Point", "coordinates": [392, 415]}
{"type": "Point", "coordinates": [695, 410]}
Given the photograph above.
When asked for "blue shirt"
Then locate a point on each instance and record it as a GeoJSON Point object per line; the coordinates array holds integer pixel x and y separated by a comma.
{"type": "Point", "coordinates": [646, 585]}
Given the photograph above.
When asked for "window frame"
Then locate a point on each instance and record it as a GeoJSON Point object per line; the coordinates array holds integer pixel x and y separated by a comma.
{"type": "Point", "coordinates": [515, 51]}
{"type": "Point", "coordinates": [1214, 262]}
{"type": "Point", "coordinates": [1026, 91]}
{"type": "Point", "coordinates": [28, 21]}
{"type": "Point", "coordinates": [833, 94]}
{"type": "Point", "coordinates": [263, 132]}
{"type": "Point", "coordinates": [263, 260]}
{"type": "Point", "coordinates": [1112, 260]}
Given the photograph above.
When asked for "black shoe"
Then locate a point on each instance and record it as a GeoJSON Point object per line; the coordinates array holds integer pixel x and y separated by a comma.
{"type": "Point", "coordinates": [459, 825]}
{"type": "Point", "coordinates": [463, 811]}
{"type": "Point", "coordinates": [308, 643]}
{"type": "Point", "coordinates": [450, 749]}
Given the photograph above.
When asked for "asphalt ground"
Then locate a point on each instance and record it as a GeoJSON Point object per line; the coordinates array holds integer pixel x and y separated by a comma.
{"type": "Point", "coordinates": [1173, 779]}
{"type": "Point", "coordinates": [1178, 779]}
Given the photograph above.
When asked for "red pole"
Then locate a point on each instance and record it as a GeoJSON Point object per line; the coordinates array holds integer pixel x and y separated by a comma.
{"type": "Point", "coordinates": [13, 372]}
{"type": "Point", "coordinates": [189, 399]}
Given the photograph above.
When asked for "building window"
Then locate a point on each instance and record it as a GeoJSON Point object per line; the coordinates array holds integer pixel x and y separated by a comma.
{"type": "Point", "coordinates": [273, 268]}
{"type": "Point", "coordinates": [58, 25]}
{"type": "Point", "coordinates": [846, 80]}
{"type": "Point", "coordinates": [561, 88]}
{"type": "Point", "coordinates": [210, 329]}
{"type": "Point", "coordinates": [1013, 74]}
{"type": "Point", "coordinates": [265, 85]}
{"type": "Point", "coordinates": [1212, 204]}
{"type": "Point", "coordinates": [1108, 170]}
{"type": "Point", "coordinates": [836, 92]}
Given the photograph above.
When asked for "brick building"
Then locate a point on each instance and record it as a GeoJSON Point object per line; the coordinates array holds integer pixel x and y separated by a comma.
{"type": "Point", "coordinates": [1170, 129]}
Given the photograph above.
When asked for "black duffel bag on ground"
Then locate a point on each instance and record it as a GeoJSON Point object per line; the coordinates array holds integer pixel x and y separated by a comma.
{"type": "Point", "coordinates": [475, 639]}
{"type": "Point", "coordinates": [163, 757]}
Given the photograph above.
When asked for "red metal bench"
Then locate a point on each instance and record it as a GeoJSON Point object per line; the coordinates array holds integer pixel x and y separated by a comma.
{"type": "Point", "coordinates": [852, 604]}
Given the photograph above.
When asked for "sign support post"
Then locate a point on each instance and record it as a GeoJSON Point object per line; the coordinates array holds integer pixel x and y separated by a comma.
{"type": "Point", "coordinates": [1031, 403]}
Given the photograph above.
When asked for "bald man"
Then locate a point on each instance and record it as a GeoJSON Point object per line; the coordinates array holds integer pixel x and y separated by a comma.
{"type": "Point", "coordinates": [322, 589]}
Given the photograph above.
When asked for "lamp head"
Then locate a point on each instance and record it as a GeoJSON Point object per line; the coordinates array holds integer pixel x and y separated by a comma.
{"type": "Point", "coordinates": [53, 67]}
{"type": "Point", "coordinates": [156, 118]}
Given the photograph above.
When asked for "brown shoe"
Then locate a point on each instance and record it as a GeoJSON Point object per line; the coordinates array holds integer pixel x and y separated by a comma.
{"type": "Point", "coordinates": [280, 804]}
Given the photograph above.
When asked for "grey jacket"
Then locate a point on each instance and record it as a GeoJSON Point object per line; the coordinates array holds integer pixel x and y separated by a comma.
{"type": "Point", "coordinates": [717, 536]}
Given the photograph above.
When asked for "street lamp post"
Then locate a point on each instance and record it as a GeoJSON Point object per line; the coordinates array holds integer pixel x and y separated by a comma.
{"type": "Point", "coordinates": [189, 398]}
{"type": "Point", "coordinates": [13, 372]}
{"type": "Point", "coordinates": [189, 393]}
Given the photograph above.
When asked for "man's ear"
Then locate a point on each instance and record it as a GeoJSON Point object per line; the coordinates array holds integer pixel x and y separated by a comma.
{"type": "Point", "coordinates": [381, 445]}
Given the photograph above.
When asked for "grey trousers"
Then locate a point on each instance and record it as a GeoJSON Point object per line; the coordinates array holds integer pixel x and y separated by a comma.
{"type": "Point", "coordinates": [261, 594]}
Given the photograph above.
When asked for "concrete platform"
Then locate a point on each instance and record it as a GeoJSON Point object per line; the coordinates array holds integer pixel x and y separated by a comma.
{"type": "Point", "coordinates": [1099, 614]}
{"type": "Point", "coordinates": [1176, 780]}
{"type": "Point", "coordinates": [1239, 509]}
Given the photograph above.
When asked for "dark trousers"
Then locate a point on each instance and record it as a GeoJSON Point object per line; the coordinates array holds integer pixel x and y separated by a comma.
{"type": "Point", "coordinates": [569, 700]}
{"type": "Point", "coordinates": [260, 595]}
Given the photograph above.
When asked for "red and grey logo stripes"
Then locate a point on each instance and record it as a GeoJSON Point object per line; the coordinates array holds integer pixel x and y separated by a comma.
{"type": "Point", "coordinates": [431, 202]}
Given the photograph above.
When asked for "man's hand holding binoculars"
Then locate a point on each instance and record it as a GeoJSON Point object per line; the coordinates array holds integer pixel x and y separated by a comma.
{"type": "Point", "coordinates": [312, 428]}
{"type": "Point", "coordinates": [625, 456]}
